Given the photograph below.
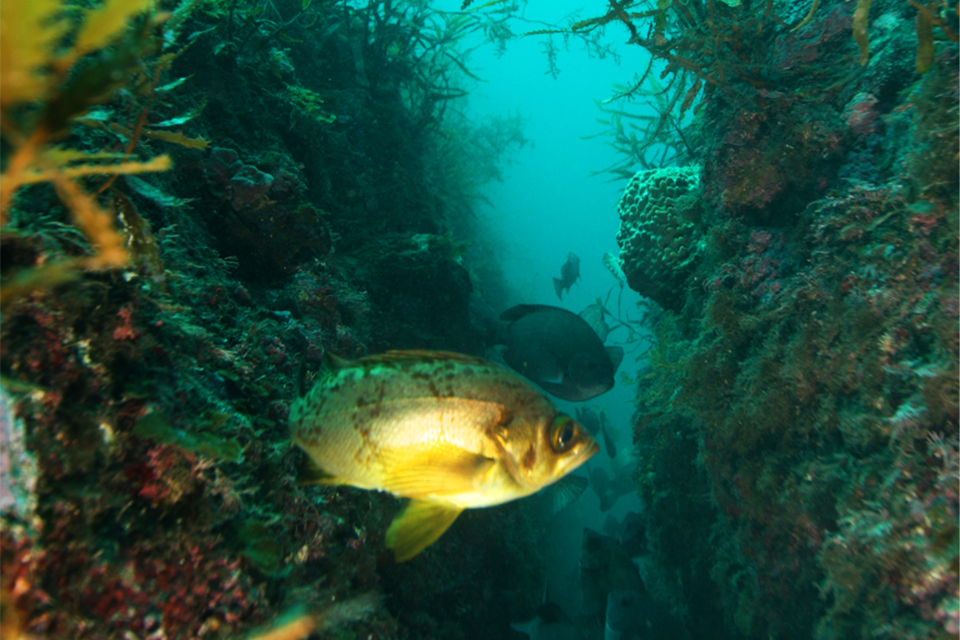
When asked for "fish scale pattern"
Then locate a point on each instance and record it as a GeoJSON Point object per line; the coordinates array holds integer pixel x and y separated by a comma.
{"type": "Point", "coordinates": [660, 236]}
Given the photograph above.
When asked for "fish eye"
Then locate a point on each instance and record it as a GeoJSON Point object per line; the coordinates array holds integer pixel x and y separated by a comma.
{"type": "Point", "coordinates": [564, 433]}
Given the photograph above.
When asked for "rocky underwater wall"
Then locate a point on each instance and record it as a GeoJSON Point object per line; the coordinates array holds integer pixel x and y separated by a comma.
{"type": "Point", "coordinates": [196, 200]}
{"type": "Point", "coordinates": [798, 423]}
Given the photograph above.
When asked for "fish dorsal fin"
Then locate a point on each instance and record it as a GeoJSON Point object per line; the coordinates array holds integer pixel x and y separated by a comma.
{"type": "Point", "coordinates": [333, 362]}
{"type": "Point", "coordinates": [421, 355]}
{"type": "Point", "coordinates": [515, 313]}
{"type": "Point", "coordinates": [616, 356]}
{"type": "Point", "coordinates": [441, 470]}
{"type": "Point", "coordinates": [418, 526]}
{"type": "Point", "coordinates": [566, 490]}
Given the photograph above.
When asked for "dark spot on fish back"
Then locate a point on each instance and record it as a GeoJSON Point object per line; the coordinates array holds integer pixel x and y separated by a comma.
{"type": "Point", "coordinates": [376, 408]}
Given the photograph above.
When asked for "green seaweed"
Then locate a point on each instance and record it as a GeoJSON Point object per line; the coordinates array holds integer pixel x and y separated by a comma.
{"type": "Point", "coordinates": [155, 426]}
{"type": "Point", "coordinates": [261, 547]}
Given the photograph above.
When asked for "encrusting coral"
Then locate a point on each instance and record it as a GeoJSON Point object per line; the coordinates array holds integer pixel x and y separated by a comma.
{"type": "Point", "coordinates": [660, 232]}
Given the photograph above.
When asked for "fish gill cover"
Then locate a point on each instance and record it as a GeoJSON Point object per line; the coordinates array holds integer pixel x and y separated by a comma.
{"type": "Point", "coordinates": [304, 184]}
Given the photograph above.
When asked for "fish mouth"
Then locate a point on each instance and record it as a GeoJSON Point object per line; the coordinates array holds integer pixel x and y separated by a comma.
{"type": "Point", "coordinates": [586, 452]}
{"type": "Point", "coordinates": [591, 451]}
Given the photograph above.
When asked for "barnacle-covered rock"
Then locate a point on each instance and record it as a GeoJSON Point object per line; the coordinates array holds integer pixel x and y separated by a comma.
{"type": "Point", "coordinates": [18, 467]}
{"type": "Point", "coordinates": [660, 233]}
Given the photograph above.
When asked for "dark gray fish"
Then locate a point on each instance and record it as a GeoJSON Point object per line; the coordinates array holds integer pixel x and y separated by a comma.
{"type": "Point", "coordinates": [559, 351]}
{"type": "Point", "coordinates": [604, 567]}
{"type": "Point", "coordinates": [637, 616]}
{"type": "Point", "coordinates": [569, 273]}
{"type": "Point", "coordinates": [589, 419]}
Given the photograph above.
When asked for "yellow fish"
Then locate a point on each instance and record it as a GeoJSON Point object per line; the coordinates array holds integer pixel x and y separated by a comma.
{"type": "Point", "coordinates": [449, 431]}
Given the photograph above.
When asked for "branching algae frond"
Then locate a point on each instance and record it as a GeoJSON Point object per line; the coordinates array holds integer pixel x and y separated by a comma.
{"type": "Point", "coordinates": [44, 85]}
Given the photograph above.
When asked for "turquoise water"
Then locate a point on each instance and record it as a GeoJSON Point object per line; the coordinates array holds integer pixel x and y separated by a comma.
{"type": "Point", "coordinates": [208, 206]}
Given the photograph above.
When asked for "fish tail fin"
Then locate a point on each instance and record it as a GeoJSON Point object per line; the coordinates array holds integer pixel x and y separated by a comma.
{"type": "Point", "coordinates": [418, 526]}
{"type": "Point", "coordinates": [606, 503]}
{"type": "Point", "coordinates": [558, 287]}
{"type": "Point", "coordinates": [333, 362]}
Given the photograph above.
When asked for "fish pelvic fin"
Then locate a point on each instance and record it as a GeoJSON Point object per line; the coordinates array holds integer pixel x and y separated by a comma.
{"type": "Point", "coordinates": [558, 287]}
{"type": "Point", "coordinates": [309, 472]}
{"type": "Point", "coordinates": [419, 525]}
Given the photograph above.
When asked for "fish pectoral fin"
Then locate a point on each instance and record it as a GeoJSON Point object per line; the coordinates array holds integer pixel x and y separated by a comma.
{"type": "Point", "coordinates": [441, 471]}
{"type": "Point", "coordinates": [555, 388]}
{"type": "Point", "coordinates": [554, 376]}
{"type": "Point", "coordinates": [309, 472]}
{"type": "Point", "coordinates": [418, 526]}
{"type": "Point", "coordinates": [566, 490]}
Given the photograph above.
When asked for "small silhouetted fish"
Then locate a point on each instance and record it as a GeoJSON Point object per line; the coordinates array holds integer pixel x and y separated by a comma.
{"type": "Point", "coordinates": [559, 351]}
{"type": "Point", "coordinates": [569, 273]}
{"type": "Point", "coordinates": [604, 567]}
{"type": "Point", "coordinates": [550, 623]}
{"type": "Point", "coordinates": [612, 263]}
{"type": "Point", "coordinates": [631, 532]}
{"type": "Point", "coordinates": [608, 440]}
{"type": "Point", "coordinates": [608, 489]}
{"type": "Point", "coordinates": [589, 419]}
{"type": "Point", "coordinates": [636, 616]}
